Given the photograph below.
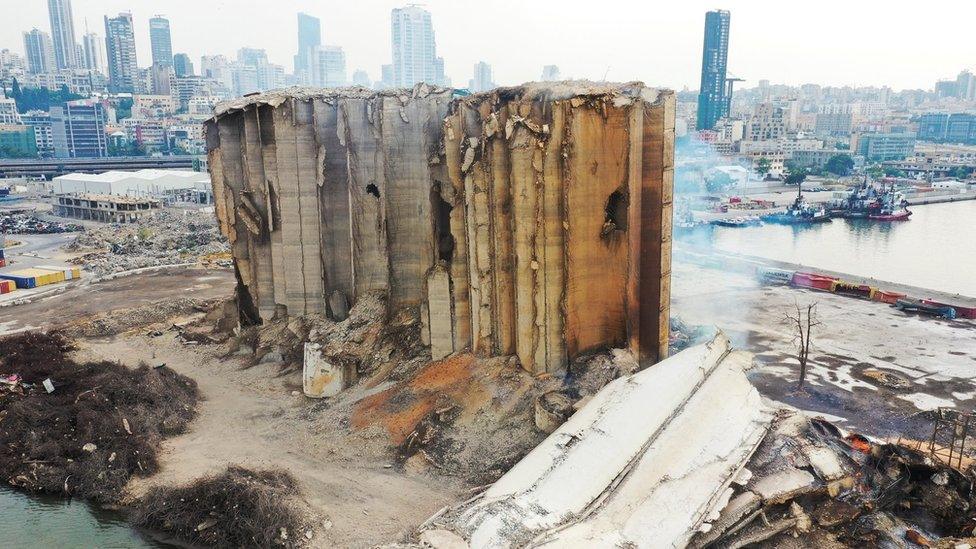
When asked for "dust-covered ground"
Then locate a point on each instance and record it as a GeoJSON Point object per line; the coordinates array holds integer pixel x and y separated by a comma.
{"type": "Point", "coordinates": [871, 366]}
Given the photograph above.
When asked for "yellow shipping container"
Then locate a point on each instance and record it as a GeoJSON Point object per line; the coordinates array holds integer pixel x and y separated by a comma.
{"type": "Point", "coordinates": [42, 276]}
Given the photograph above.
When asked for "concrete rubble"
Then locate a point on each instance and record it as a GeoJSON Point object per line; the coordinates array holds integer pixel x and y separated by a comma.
{"type": "Point", "coordinates": [167, 238]}
{"type": "Point", "coordinates": [687, 454]}
{"type": "Point", "coordinates": [644, 463]}
{"type": "Point", "coordinates": [531, 221]}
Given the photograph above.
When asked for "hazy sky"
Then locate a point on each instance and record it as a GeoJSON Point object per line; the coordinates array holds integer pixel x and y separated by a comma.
{"type": "Point", "coordinates": [853, 42]}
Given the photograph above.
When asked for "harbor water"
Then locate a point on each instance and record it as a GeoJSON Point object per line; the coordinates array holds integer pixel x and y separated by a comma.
{"type": "Point", "coordinates": [934, 249]}
{"type": "Point", "coordinates": [53, 523]}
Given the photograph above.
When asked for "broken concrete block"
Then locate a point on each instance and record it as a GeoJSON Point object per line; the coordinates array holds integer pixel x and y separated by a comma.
{"type": "Point", "coordinates": [547, 240]}
{"type": "Point", "coordinates": [644, 464]}
{"type": "Point", "coordinates": [321, 378]}
{"type": "Point", "coordinates": [784, 485]}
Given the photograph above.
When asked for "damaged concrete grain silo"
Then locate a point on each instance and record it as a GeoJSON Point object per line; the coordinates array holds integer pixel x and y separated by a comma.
{"type": "Point", "coordinates": [533, 220]}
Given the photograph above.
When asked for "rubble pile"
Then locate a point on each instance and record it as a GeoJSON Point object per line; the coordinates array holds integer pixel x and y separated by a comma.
{"type": "Point", "coordinates": [365, 340]}
{"type": "Point", "coordinates": [19, 223]}
{"type": "Point", "coordinates": [810, 484]}
{"type": "Point", "coordinates": [167, 238]}
{"type": "Point", "coordinates": [83, 429]}
{"type": "Point", "coordinates": [116, 322]}
{"type": "Point", "coordinates": [236, 508]}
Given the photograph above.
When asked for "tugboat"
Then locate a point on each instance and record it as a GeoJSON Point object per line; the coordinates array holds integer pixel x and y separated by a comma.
{"type": "Point", "coordinates": [685, 222]}
{"type": "Point", "coordinates": [893, 207]}
{"type": "Point", "coordinates": [868, 202]}
{"type": "Point", "coordinates": [737, 222]}
{"type": "Point", "coordinates": [799, 213]}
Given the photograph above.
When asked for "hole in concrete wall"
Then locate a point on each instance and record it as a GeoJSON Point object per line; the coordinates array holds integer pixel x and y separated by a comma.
{"type": "Point", "coordinates": [441, 211]}
{"type": "Point", "coordinates": [373, 190]}
{"type": "Point", "coordinates": [616, 213]}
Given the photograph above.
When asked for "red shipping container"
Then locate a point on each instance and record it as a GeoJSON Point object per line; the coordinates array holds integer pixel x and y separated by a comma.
{"type": "Point", "coordinates": [813, 281]}
{"type": "Point", "coordinates": [7, 286]}
{"type": "Point", "coordinates": [886, 297]}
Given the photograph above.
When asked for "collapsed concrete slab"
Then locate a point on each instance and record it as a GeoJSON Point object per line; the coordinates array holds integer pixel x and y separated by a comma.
{"type": "Point", "coordinates": [532, 221]}
{"type": "Point", "coordinates": [644, 464]}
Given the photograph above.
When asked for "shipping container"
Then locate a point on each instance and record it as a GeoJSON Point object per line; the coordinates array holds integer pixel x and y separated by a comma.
{"type": "Point", "coordinates": [886, 297]}
{"type": "Point", "coordinates": [32, 278]}
{"type": "Point", "coordinates": [961, 311]}
{"type": "Point", "coordinates": [813, 281]}
{"type": "Point", "coordinates": [67, 273]}
{"type": "Point", "coordinates": [7, 286]}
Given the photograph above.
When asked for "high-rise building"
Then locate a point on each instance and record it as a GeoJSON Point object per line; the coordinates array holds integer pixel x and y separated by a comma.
{"type": "Point", "coordinates": [252, 57]}
{"type": "Point", "coordinates": [8, 111]}
{"type": "Point", "coordinates": [966, 86]}
{"type": "Point", "coordinates": [160, 41]}
{"type": "Point", "coordinates": [120, 45]}
{"type": "Point", "coordinates": [329, 66]}
{"type": "Point", "coordinates": [79, 129]}
{"type": "Point", "coordinates": [414, 48]}
{"type": "Point", "coordinates": [94, 48]}
{"type": "Point", "coordinates": [713, 101]}
{"type": "Point", "coordinates": [182, 65]}
{"type": "Point", "coordinates": [309, 38]}
{"type": "Point", "coordinates": [43, 137]}
{"type": "Point", "coordinates": [161, 76]}
{"type": "Point", "coordinates": [40, 52]}
{"type": "Point", "coordinates": [63, 32]}
{"type": "Point", "coordinates": [481, 81]}
{"type": "Point", "coordinates": [550, 73]}
{"type": "Point", "coordinates": [361, 78]}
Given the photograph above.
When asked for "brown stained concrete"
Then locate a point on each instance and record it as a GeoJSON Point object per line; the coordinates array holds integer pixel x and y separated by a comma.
{"type": "Point", "coordinates": [532, 220]}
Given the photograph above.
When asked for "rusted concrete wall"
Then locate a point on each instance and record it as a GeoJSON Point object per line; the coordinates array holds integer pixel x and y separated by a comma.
{"type": "Point", "coordinates": [532, 221]}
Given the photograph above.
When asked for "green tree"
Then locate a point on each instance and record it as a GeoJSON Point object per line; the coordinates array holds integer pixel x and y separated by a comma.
{"type": "Point", "coordinates": [795, 175]}
{"type": "Point", "coordinates": [762, 166]}
{"type": "Point", "coordinates": [875, 171]}
{"type": "Point", "coordinates": [15, 90]}
{"type": "Point", "coordinates": [960, 172]}
{"type": "Point", "coordinates": [891, 171]}
{"type": "Point", "coordinates": [840, 164]}
{"type": "Point", "coordinates": [124, 110]}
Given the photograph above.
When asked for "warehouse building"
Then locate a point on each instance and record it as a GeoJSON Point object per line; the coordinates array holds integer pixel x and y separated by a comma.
{"type": "Point", "coordinates": [166, 186]}
{"type": "Point", "coordinates": [105, 208]}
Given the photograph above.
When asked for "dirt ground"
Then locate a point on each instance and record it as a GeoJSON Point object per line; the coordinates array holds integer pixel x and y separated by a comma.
{"type": "Point", "coordinates": [251, 418]}
{"type": "Point", "coordinates": [928, 362]}
{"type": "Point", "coordinates": [82, 299]}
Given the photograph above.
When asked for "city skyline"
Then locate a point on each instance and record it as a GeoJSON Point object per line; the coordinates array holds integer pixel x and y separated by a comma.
{"type": "Point", "coordinates": [611, 47]}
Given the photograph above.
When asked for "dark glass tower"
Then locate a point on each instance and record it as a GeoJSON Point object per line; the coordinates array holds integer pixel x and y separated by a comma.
{"type": "Point", "coordinates": [713, 102]}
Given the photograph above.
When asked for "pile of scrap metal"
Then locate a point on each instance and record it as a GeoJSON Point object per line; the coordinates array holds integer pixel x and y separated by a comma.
{"type": "Point", "coordinates": [687, 453]}
{"type": "Point", "coordinates": [813, 481]}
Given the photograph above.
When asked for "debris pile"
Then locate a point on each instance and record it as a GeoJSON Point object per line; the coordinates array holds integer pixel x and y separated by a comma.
{"type": "Point", "coordinates": [19, 223]}
{"type": "Point", "coordinates": [236, 508]}
{"type": "Point", "coordinates": [643, 463]}
{"type": "Point", "coordinates": [116, 322]}
{"type": "Point", "coordinates": [83, 429]}
{"type": "Point", "coordinates": [368, 339]}
{"type": "Point", "coordinates": [167, 238]}
{"type": "Point", "coordinates": [810, 484]}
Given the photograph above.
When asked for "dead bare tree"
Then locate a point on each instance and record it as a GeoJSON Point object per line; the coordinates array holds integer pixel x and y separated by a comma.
{"type": "Point", "coordinates": [802, 326]}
